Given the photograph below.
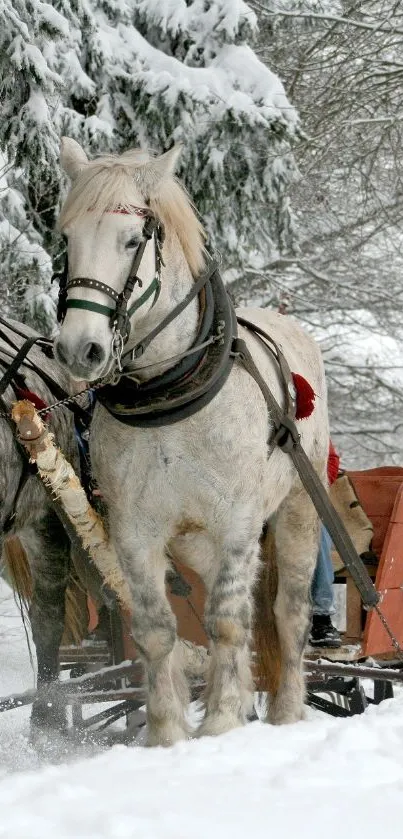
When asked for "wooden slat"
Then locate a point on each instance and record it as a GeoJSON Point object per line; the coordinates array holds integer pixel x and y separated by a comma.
{"type": "Point", "coordinates": [389, 583]}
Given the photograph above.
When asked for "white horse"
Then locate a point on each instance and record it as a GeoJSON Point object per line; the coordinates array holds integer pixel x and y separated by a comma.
{"type": "Point", "coordinates": [201, 488]}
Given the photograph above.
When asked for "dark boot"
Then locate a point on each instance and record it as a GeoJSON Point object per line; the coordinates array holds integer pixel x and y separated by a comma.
{"type": "Point", "coordinates": [323, 633]}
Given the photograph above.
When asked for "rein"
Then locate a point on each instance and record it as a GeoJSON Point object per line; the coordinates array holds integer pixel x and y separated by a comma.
{"type": "Point", "coordinates": [12, 370]}
{"type": "Point", "coordinates": [287, 438]}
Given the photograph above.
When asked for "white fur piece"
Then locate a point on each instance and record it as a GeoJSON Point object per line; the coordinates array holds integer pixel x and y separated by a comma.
{"type": "Point", "coordinates": [203, 487]}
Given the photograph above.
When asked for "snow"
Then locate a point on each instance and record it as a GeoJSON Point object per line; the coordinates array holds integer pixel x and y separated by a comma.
{"type": "Point", "coordinates": [312, 780]}
{"type": "Point", "coordinates": [49, 15]}
{"type": "Point", "coordinates": [176, 16]}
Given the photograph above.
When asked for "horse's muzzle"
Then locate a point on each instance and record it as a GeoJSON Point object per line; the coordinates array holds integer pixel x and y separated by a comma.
{"type": "Point", "coordinates": [84, 361]}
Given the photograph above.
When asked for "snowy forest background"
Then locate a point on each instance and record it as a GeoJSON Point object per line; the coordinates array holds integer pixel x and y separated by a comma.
{"type": "Point", "coordinates": [291, 116]}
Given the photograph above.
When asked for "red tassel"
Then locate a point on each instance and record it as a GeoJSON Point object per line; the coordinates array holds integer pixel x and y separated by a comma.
{"type": "Point", "coordinates": [305, 397]}
{"type": "Point", "coordinates": [36, 400]}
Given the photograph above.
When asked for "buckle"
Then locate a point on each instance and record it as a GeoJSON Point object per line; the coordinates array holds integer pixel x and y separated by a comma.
{"type": "Point", "coordinates": [286, 436]}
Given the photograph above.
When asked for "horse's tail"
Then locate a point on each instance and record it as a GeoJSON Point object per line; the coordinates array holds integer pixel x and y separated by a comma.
{"type": "Point", "coordinates": [18, 571]}
{"type": "Point", "coordinates": [267, 644]}
{"type": "Point", "coordinates": [76, 616]}
{"type": "Point", "coordinates": [19, 576]}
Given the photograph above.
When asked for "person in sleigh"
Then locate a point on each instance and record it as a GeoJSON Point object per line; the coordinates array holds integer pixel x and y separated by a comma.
{"type": "Point", "coordinates": [323, 633]}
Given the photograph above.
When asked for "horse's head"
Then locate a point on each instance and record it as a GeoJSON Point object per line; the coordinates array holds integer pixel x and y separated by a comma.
{"type": "Point", "coordinates": [113, 219]}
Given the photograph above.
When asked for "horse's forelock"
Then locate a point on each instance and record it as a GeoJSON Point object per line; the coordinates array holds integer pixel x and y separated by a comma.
{"type": "Point", "coordinates": [109, 182]}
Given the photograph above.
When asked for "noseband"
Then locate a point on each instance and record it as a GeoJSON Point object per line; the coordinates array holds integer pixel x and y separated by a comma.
{"type": "Point", "coordinates": [119, 315]}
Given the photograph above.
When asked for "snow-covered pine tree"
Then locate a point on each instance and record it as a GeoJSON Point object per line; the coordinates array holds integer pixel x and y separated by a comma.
{"type": "Point", "coordinates": [115, 74]}
{"type": "Point", "coordinates": [200, 82]}
{"type": "Point", "coordinates": [30, 94]}
{"type": "Point", "coordinates": [25, 266]}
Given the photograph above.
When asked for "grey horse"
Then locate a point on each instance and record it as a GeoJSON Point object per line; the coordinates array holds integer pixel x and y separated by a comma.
{"type": "Point", "coordinates": [28, 519]}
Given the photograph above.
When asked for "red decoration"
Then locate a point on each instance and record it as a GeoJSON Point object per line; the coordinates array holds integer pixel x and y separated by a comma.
{"type": "Point", "coordinates": [137, 211]}
{"type": "Point", "coordinates": [305, 397]}
{"type": "Point", "coordinates": [36, 400]}
{"type": "Point", "coordinates": [333, 464]}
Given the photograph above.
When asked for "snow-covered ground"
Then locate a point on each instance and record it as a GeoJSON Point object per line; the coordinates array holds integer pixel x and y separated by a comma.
{"type": "Point", "coordinates": [318, 779]}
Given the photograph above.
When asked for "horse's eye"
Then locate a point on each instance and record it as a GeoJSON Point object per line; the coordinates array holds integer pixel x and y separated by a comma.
{"type": "Point", "coordinates": [132, 243]}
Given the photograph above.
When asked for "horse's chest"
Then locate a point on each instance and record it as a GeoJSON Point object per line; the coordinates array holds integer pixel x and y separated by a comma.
{"type": "Point", "coordinates": [162, 466]}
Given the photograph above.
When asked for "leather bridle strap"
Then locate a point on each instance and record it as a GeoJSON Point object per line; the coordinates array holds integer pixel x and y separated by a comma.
{"type": "Point", "coordinates": [91, 306]}
{"type": "Point", "coordinates": [287, 439]}
{"type": "Point", "coordinates": [21, 358]}
{"type": "Point", "coordinates": [119, 315]}
{"type": "Point", "coordinates": [142, 345]}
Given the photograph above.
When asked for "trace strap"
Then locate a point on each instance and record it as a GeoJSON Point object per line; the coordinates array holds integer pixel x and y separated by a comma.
{"type": "Point", "coordinates": [17, 361]}
{"type": "Point", "coordinates": [287, 439]}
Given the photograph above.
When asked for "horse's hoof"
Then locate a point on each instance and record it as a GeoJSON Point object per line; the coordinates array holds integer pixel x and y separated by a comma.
{"type": "Point", "coordinates": [166, 734]}
{"type": "Point", "coordinates": [48, 716]}
{"type": "Point", "coordinates": [215, 724]}
{"type": "Point", "coordinates": [281, 717]}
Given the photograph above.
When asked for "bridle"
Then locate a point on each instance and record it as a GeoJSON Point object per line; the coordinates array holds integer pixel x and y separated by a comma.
{"type": "Point", "coordinates": [119, 315]}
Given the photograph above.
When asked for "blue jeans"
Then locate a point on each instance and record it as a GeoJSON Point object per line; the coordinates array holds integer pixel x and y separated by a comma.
{"type": "Point", "coordinates": [322, 583]}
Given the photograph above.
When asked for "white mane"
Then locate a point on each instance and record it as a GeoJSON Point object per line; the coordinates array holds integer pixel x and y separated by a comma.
{"type": "Point", "coordinates": [114, 181]}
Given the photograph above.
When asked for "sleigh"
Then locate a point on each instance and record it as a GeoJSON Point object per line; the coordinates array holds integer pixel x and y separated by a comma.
{"type": "Point", "coordinates": [105, 681]}
{"type": "Point", "coordinates": [380, 493]}
{"type": "Point", "coordinates": [104, 667]}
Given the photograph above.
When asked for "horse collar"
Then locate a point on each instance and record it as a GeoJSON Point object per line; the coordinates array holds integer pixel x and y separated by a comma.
{"type": "Point", "coordinates": [193, 382]}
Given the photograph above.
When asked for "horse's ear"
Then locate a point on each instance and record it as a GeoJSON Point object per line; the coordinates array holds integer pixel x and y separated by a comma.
{"type": "Point", "coordinates": [149, 175]}
{"type": "Point", "coordinates": [72, 157]}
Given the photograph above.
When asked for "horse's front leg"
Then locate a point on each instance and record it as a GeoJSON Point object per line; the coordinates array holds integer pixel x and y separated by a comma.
{"type": "Point", "coordinates": [49, 550]}
{"type": "Point", "coordinates": [228, 620]}
{"type": "Point", "coordinates": [154, 633]}
{"type": "Point", "coordinates": [296, 537]}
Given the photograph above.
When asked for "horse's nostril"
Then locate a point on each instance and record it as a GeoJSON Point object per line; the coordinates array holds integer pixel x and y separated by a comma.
{"type": "Point", "coordinates": [93, 353]}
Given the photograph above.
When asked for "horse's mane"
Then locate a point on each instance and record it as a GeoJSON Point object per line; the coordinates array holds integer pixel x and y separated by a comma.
{"type": "Point", "coordinates": [109, 182]}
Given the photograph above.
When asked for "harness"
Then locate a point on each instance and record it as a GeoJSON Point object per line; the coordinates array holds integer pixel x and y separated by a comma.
{"type": "Point", "coordinates": [195, 379]}
{"type": "Point", "coordinates": [200, 372]}
{"type": "Point", "coordinates": [198, 375]}
{"type": "Point", "coordinates": [28, 469]}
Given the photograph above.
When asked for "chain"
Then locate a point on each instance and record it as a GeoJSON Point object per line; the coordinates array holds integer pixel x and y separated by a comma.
{"type": "Point", "coordinates": [388, 630]}
{"type": "Point", "coordinates": [117, 347]}
{"type": "Point", "coordinates": [69, 400]}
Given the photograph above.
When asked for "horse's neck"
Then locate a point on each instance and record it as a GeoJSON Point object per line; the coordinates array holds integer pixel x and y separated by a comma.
{"type": "Point", "coordinates": [178, 336]}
